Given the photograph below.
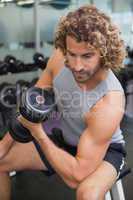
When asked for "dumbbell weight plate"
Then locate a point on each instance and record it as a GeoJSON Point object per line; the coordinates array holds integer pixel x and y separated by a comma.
{"type": "Point", "coordinates": [11, 61]}
{"type": "Point", "coordinates": [7, 96]}
{"type": "Point", "coordinates": [16, 127]}
{"type": "Point", "coordinates": [20, 67]}
{"type": "Point", "coordinates": [38, 59]}
{"type": "Point", "coordinates": [37, 104]}
{"type": "Point", "coordinates": [4, 67]}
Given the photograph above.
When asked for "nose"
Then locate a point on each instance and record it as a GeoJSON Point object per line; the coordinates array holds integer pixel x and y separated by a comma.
{"type": "Point", "coordinates": [78, 64]}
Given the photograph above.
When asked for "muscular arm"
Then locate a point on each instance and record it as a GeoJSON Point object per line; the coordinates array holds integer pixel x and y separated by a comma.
{"type": "Point", "coordinates": [5, 145]}
{"type": "Point", "coordinates": [54, 64]}
{"type": "Point", "coordinates": [102, 121]}
{"type": "Point", "coordinates": [46, 79]}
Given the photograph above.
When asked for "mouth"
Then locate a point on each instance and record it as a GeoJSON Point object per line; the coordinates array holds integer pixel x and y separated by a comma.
{"type": "Point", "coordinates": [79, 73]}
{"type": "Point", "coordinates": [80, 76]}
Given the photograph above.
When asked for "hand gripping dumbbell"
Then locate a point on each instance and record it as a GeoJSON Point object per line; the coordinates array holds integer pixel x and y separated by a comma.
{"type": "Point", "coordinates": [36, 105]}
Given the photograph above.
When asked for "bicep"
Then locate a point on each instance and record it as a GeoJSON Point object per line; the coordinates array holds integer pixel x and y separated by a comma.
{"type": "Point", "coordinates": [90, 154]}
{"type": "Point", "coordinates": [102, 121]}
{"type": "Point", "coordinates": [105, 116]}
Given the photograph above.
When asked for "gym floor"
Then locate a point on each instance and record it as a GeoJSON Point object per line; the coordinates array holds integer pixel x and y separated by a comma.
{"type": "Point", "coordinates": [36, 186]}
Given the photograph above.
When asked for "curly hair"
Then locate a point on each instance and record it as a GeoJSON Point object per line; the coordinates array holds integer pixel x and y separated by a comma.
{"type": "Point", "coordinates": [90, 25]}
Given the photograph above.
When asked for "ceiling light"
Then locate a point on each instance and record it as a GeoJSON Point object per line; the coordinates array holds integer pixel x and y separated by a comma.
{"type": "Point", "coordinates": [6, 1]}
{"type": "Point", "coordinates": [46, 1]}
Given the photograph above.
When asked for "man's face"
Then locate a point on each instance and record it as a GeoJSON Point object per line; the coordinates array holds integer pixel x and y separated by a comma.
{"type": "Point", "coordinates": [83, 59]}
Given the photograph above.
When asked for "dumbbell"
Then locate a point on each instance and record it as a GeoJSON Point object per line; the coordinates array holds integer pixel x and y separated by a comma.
{"type": "Point", "coordinates": [19, 65]}
{"type": "Point", "coordinates": [11, 62]}
{"type": "Point", "coordinates": [4, 67]}
{"type": "Point", "coordinates": [40, 60]}
{"type": "Point", "coordinates": [7, 96]}
{"type": "Point", "coordinates": [36, 105]}
{"type": "Point", "coordinates": [23, 83]}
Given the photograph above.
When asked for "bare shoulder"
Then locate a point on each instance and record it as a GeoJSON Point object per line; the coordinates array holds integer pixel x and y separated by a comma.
{"type": "Point", "coordinates": [105, 116]}
{"type": "Point", "coordinates": [112, 98]}
{"type": "Point", "coordinates": [113, 101]}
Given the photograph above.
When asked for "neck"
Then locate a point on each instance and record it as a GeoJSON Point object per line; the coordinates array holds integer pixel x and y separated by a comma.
{"type": "Point", "coordinates": [95, 80]}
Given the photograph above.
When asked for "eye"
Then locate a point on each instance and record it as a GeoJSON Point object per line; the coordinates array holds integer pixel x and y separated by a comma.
{"type": "Point", "coordinates": [89, 55]}
{"type": "Point", "coordinates": [70, 54]}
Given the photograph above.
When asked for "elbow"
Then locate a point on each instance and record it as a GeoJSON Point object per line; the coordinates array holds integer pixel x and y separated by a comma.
{"type": "Point", "coordinates": [81, 174]}
{"type": "Point", "coordinates": [78, 177]}
{"type": "Point", "coordinates": [72, 184]}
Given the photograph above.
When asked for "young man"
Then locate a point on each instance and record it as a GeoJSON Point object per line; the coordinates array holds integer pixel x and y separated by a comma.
{"type": "Point", "coordinates": [90, 101]}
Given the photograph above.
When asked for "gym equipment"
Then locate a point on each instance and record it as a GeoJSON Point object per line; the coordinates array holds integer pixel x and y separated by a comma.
{"type": "Point", "coordinates": [11, 62]}
{"type": "Point", "coordinates": [4, 67]}
{"type": "Point", "coordinates": [30, 67]}
{"type": "Point", "coordinates": [13, 65]}
{"type": "Point", "coordinates": [23, 83]}
{"type": "Point", "coordinates": [19, 66]}
{"type": "Point", "coordinates": [129, 59]}
{"type": "Point", "coordinates": [40, 60]}
{"type": "Point", "coordinates": [7, 96]}
{"type": "Point", "coordinates": [117, 192]}
{"type": "Point", "coordinates": [130, 52]}
{"type": "Point", "coordinates": [2, 125]}
{"type": "Point", "coordinates": [60, 4]}
{"type": "Point", "coordinates": [45, 63]}
{"type": "Point", "coordinates": [36, 105]}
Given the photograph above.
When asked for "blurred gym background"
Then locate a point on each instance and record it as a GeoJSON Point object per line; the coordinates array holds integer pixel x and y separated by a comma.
{"type": "Point", "coordinates": [26, 42]}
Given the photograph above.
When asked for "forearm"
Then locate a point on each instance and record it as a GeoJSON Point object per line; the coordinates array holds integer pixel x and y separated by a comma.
{"type": "Point", "coordinates": [73, 170]}
{"type": "Point", "coordinates": [63, 163]}
{"type": "Point", "coordinates": [5, 145]}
